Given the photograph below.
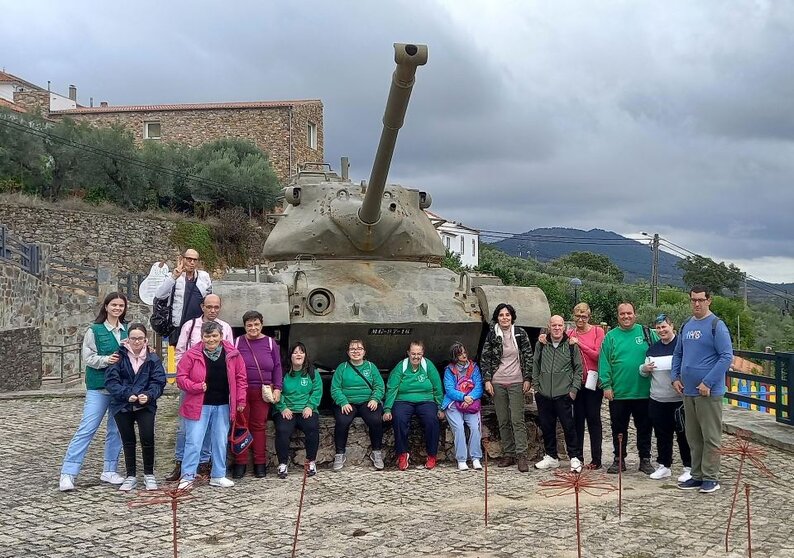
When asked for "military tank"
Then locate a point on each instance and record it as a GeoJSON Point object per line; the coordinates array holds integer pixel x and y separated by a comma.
{"type": "Point", "coordinates": [363, 260]}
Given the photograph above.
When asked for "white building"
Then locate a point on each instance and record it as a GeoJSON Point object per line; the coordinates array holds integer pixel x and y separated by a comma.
{"type": "Point", "coordinates": [457, 238]}
{"type": "Point", "coordinates": [11, 85]}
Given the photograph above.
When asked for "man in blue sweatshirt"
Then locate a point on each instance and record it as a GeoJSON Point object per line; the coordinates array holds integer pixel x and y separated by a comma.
{"type": "Point", "coordinates": [701, 359]}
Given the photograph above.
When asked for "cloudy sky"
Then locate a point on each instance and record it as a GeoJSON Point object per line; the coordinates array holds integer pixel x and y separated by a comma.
{"type": "Point", "coordinates": [674, 116]}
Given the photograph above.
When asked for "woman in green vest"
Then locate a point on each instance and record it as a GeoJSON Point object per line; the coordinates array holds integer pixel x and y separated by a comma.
{"type": "Point", "coordinates": [100, 350]}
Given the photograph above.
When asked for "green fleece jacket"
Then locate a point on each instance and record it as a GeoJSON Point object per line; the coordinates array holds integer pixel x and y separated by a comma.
{"type": "Point", "coordinates": [300, 391]}
{"type": "Point", "coordinates": [414, 386]}
{"type": "Point", "coordinates": [552, 373]}
{"type": "Point", "coordinates": [347, 385]}
{"type": "Point", "coordinates": [622, 353]}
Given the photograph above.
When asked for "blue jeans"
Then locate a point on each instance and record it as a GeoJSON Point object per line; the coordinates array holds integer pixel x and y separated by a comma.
{"type": "Point", "coordinates": [456, 419]}
{"type": "Point", "coordinates": [213, 424]}
{"type": "Point", "coordinates": [96, 406]}
{"type": "Point", "coordinates": [179, 452]}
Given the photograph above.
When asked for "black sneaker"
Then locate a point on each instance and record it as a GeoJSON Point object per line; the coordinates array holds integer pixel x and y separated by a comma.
{"type": "Point", "coordinates": [613, 469]}
{"type": "Point", "coordinates": [691, 484]}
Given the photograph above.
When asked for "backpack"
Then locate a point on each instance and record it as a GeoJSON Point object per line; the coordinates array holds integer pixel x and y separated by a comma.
{"type": "Point", "coordinates": [646, 334]}
{"type": "Point", "coordinates": [161, 318]}
{"type": "Point", "coordinates": [548, 340]}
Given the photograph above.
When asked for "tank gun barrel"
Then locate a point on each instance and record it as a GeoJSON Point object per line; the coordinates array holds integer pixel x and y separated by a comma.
{"type": "Point", "coordinates": [407, 57]}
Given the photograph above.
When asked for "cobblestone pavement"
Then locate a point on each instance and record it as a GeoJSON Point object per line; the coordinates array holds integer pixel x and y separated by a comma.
{"type": "Point", "coordinates": [360, 512]}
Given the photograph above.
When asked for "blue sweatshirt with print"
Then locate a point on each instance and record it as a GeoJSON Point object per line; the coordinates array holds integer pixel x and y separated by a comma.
{"type": "Point", "coordinates": [702, 357]}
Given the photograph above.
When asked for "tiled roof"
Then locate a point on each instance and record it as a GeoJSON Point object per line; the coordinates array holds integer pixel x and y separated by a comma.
{"type": "Point", "coordinates": [12, 106]}
{"type": "Point", "coordinates": [10, 78]}
{"type": "Point", "coordinates": [190, 106]}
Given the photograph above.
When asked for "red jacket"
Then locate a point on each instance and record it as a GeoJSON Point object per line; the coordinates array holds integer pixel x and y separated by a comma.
{"type": "Point", "coordinates": [191, 373]}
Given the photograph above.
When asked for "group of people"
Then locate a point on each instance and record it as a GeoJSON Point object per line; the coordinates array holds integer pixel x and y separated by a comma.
{"type": "Point", "coordinates": [669, 384]}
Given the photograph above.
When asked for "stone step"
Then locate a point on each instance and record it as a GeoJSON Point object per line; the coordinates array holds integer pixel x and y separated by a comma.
{"type": "Point", "coordinates": [55, 381]}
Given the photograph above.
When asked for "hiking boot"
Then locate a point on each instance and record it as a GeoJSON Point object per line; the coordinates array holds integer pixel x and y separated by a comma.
{"type": "Point", "coordinates": [506, 461]}
{"type": "Point", "coordinates": [691, 484]}
{"type": "Point", "coordinates": [149, 482]}
{"type": "Point", "coordinates": [402, 461]}
{"type": "Point", "coordinates": [593, 466]}
{"type": "Point", "coordinates": [646, 466]}
{"type": "Point", "coordinates": [176, 473]}
{"type": "Point", "coordinates": [377, 459]}
{"type": "Point", "coordinates": [312, 469]}
{"type": "Point", "coordinates": [66, 483]}
{"type": "Point", "coordinates": [686, 475]}
{"type": "Point", "coordinates": [523, 463]}
{"type": "Point", "coordinates": [548, 462]}
{"type": "Point", "coordinates": [708, 486]}
{"type": "Point", "coordinates": [238, 470]}
{"type": "Point", "coordinates": [260, 471]}
{"type": "Point", "coordinates": [661, 472]}
{"type": "Point", "coordinates": [204, 470]}
{"type": "Point", "coordinates": [128, 484]}
{"type": "Point", "coordinates": [282, 470]}
{"type": "Point", "coordinates": [431, 462]}
{"type": "Point", "coordinates": [476, 465]}
{"type": "Point", "coordinates": [613, 469]}
{"type": "Point", "coordinates": [339, 461]}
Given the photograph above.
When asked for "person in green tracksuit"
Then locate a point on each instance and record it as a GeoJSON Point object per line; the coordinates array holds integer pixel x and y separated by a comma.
{"type": "Point", "coordinates": [300, 398]}
{"type": "Point", "coordinates": [357, 390]}
{"type": "Point", "coordinates": [622, 353]}
{"type": "Point", "coordinates": [414, 388]}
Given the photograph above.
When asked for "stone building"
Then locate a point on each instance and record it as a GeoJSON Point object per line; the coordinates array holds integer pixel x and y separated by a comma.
{"type": "Point", "coordinates": [290, 132]}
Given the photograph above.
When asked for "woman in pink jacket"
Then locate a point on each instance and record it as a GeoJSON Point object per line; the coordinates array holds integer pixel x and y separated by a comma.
{"type": "Point", "coordinates": [212, 375]}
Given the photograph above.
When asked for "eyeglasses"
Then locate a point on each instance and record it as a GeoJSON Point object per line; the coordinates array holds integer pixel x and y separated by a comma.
{"type": "Point", "coordinates": [189, 259]}
{"type": "Point", "coordinates": [136, 339]}
{"type": "Point", "coordinates": [579, 317]}
{"type": "Point", "coordinates": [355, 349]}
{"type": "Point", "coordinates": [697, 300]}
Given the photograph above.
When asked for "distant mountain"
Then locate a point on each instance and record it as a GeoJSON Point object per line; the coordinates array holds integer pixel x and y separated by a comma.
{"type": "Point", "coordinates": [631, 256]}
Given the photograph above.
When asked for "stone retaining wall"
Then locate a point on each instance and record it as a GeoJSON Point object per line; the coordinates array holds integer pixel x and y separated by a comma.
{"type": "Point", "coordinates": [20, 359]}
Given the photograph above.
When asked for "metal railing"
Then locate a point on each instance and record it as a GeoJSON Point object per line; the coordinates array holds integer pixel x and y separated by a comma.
{"type": "Point", "coordinates": [25, 255]}
{"type": "Point", "coordinates": [763, 382]}
{"type": "Point", "coordinates": [77, 277]}
{"type": "Point", "coordinates": [62, 351]}
{"type": "Point", "coordinates": [129, 284]}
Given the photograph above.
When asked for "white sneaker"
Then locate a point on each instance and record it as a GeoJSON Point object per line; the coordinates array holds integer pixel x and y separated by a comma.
{"type": "Point", "coordinates": [548, 462]}
{"type": "Point", "coordinates": [282, 470]}
{"type": "Point", "coordinates": [221, 482]}
{"type": "Point", "coordinates": [185, 483]}
{"type": "Point", "coordinates": [661, 472]}
{"type": "Point", "coordinates": [67, 483]}
{"type": "Point", "coordinates": [339, 461]}
{"type": "Point", "coordinates": [377, 459]}
{"type": "Point", "coordinates": [129, 484]}
{"type": "Point", "coordinates": [150, 482]}
{"type": "Point", "coordinates": [475, 464]}
{"type": "Point", "coordinates": [462, 466]}
{"type": "Point", "coordinates": [112, 477]}
{"type": "Point", "coordinates": [576, 465]}
{"type": "Point", "coordinates": [686, 475]}
{"type": "Point", "coordinates": [312, 469]}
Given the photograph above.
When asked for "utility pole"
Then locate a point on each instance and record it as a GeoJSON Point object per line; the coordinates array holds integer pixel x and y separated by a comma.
{"type": "Point", "coordinates": [745, 289]}
{"type": "Point", "coordinates": [655, 270]}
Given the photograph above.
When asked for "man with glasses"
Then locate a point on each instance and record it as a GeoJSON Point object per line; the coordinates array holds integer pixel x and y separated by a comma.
{"type": "Point", "coordinates": [701, 359]}
{"type": "Point", "coordinates": [186, 287]}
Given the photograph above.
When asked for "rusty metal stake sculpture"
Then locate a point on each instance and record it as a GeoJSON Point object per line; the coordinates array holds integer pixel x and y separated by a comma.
{"type": "Point", "coordinates": [565, 482]}
{"type": "Point", "coordinates": [170, 495]}
{"type": "Point", "coordinates": [740, 447]}
{"type": "Point", "coordinates": [620, 475]}
{"type": "Point", "coordinates": [300, 507]}
{"type": "Point", "coordinates": [749, 540]}
{"type": "Point", "coordinates": [486, 443]}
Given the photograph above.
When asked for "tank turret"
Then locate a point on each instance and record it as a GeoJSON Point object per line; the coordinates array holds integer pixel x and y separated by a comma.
{"type": "Point", "coordinates": [333, 218]}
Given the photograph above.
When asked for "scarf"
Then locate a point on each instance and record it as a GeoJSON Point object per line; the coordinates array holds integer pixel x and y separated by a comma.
{"type": "Point", "coordinates": [213, 355]}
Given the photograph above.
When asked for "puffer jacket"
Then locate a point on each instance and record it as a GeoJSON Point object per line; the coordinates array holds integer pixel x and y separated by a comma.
{"type": "Point", "coordinates": [491, 356]}
{"type": "Point", "coordinates": [192, 372]}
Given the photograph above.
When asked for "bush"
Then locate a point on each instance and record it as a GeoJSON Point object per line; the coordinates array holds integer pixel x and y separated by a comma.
{"type": "Point", "coordinates": [191, 234]}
